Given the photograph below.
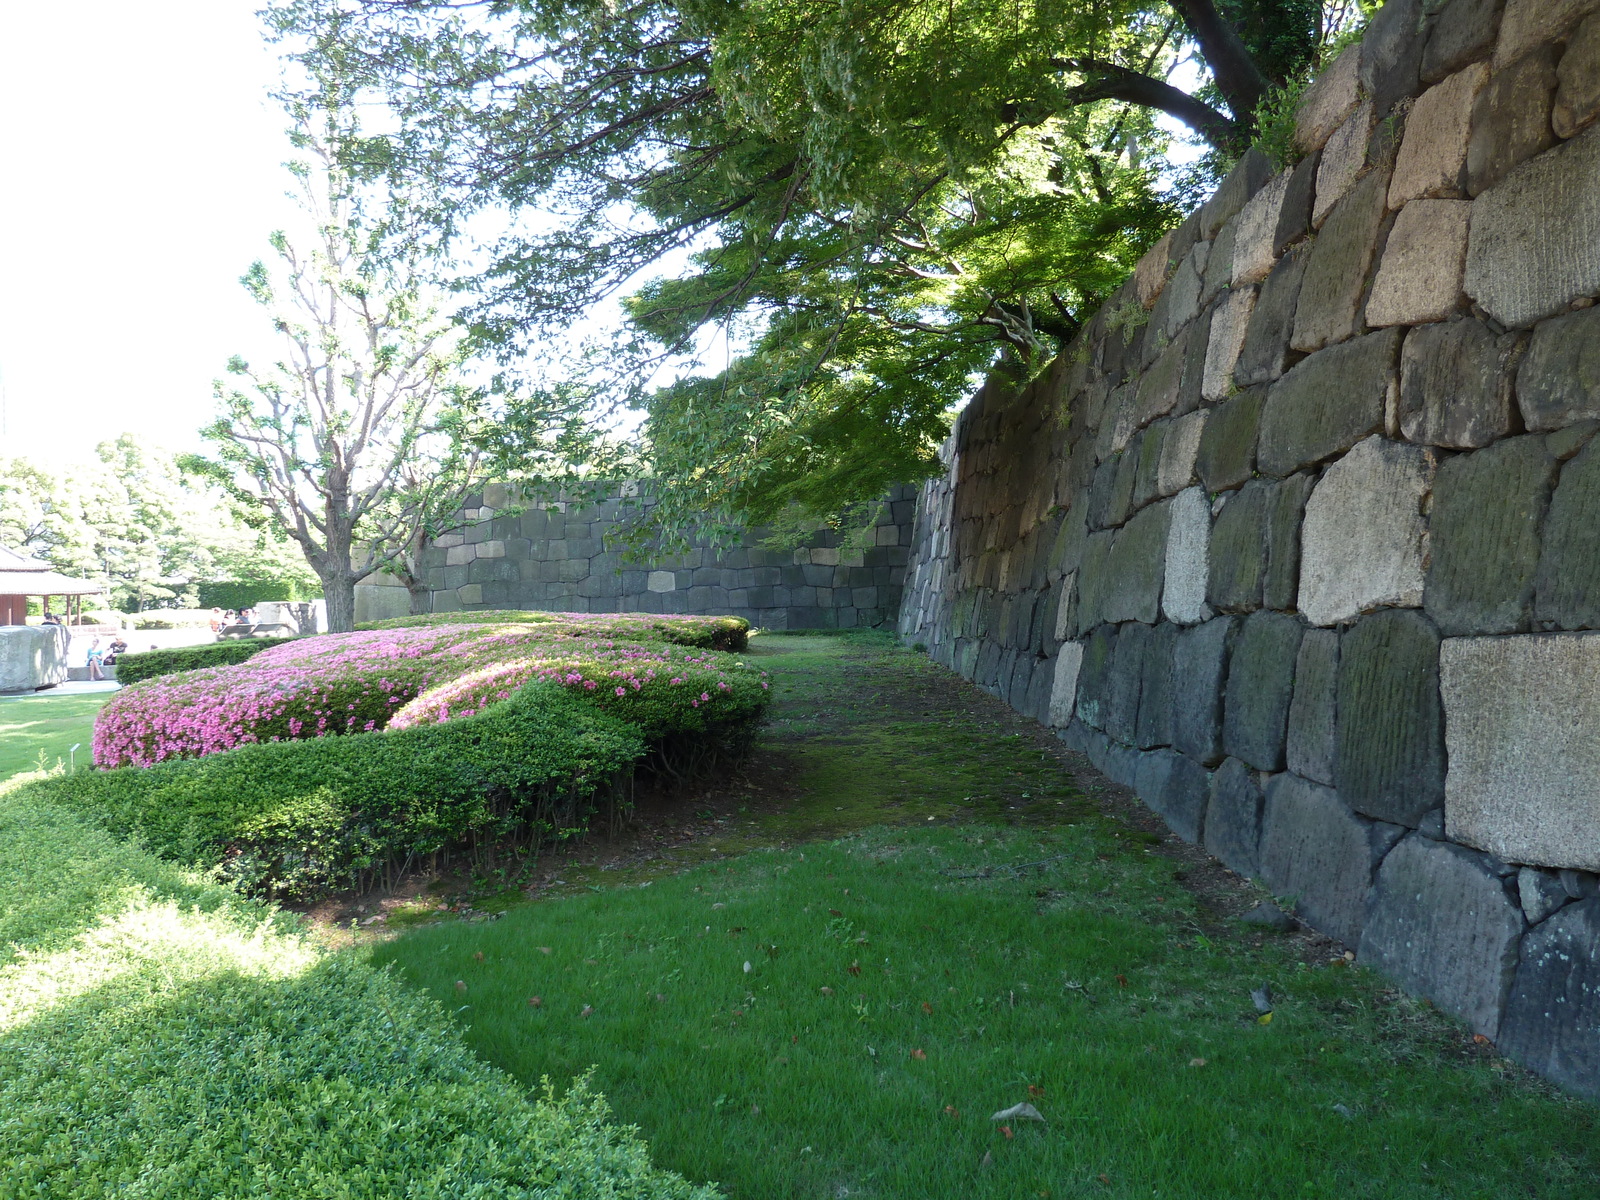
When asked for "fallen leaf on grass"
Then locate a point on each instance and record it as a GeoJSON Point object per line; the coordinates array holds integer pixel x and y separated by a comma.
{"type": "Point", "coordinates": [461, 985]}
{"type": "Point", "coordinates": [1197, 1062]}
{"type": "Point", "coordinates": [987, 1159]}
{"type": "Point", "coordinates": [919, 1055]}
{"type": "Point", "coordinates": [926, 1007]}
{"type": "Point", "coordinates": [950, 1110]}
{"type": "Point", "coordinates": [587, 1010]}
{"type": "Point", "coordinates": [854, 968]}
{"type": "Point", "coordinates": [827, 991]}
{"type": "Point", "coordinates": [1480, 1040]}
{"type": "Point", "coordinates": [1122, 981]}
{"type": "Point", "coordinates": [1264, 1019]}
{"type": "Point", "coordinates": [478, 957]}
{"type": "Point", "coordinates": [834, 912]}
{"type": "Point", "coordinates": [535, 1001]}
{"type": "Point", "coordinates": [1103, 1178]}
{"type": "Point", "coordinates": [1035, 1090]}
{"type": "Point", "coordinates": [1018, 1112]}
{"type": "Point", "coordinates": [545, 950]}
{"type": "Point", "coordinates": [1006, 1129]}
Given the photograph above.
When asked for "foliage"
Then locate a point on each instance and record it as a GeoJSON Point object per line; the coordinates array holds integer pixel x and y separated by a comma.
{"type": "Point", "coordinates": [239, 594]}
{"type": "Point", "coordinates": [147, 664]}
{"type": "Point", "coordinates": [160, 1029]}
{"type": "Point", "coordinates": [711, 633]}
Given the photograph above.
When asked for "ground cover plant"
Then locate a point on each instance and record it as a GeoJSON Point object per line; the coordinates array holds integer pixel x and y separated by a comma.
{"type": "Point", "coordinates": [164, 1037]}
{"type": "Point", "coordinates": [833, 994]}
{"type": "Point", "coordinates": [146, 664]}
{"type": "Point", "coordinates": [39, 730]}
{"type": "Point", "coordinates": [713, 633]}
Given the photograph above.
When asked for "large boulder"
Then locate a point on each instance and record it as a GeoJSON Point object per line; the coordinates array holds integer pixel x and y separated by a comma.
{"type": "Point", "coordinates": [32, 657]}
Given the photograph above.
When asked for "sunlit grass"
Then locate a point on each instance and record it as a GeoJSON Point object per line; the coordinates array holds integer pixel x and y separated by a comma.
{"type": "Point", "coordinates": [37, 730]}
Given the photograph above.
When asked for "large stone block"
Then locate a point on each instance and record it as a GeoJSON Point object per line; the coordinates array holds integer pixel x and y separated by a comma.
{"type": "Point", "coordinates": [1552, 1019]}
{"type": "Point", "coordinates": [1419, 278]}
{"type": "Point", "coordinates": [1329, 308]}
{"type": "Point", "coordinates": [1558, 381]}
{"type": "Point", "coordinates": [1391, 53]}
{"type": "Point", "coordinates": [1177, 789]}
{"type": "Point", "coordinates": [1256, 231]}
{"type": "Point", "coordinates": [1363, 538]}
{"type": "Point", "coordinates": [1199, 669]}
{"type": "Point", "coordinates": [1158, 387]}
{"type": "Point", "coordinates": [1249, 176]}
{"type": "Point", "coordinates": [1179, 450]}
{"type": "Point", "coordinates": [1064, 685]}
{"type": "Point", "coordinates": [1311, 743]}
{"type": "Point", "coordinates": [1530, 23]}
{"type": "Point", "coordinates": [1511, 119]}
{"type": "Point", "coordinates": [1341, 162]}
{"type": "Point", "coordinates": [1123, 683]}
{"type": "Point", "coordinates": [1094, 580]}
{"type": "Point", "coordinates": [1233, 817]}
{"type": "Point", "coordinates": [1535, 240]}
{"type": "Point", "coordinates": [1523, 734]}
{"type": "Point", "coordinates": [1147, 485]}
{"type": "Point", "coordinates": [1390, 758]}
{"type": "Point", "coordinates": [1136, 568]}
{"type": "Point", "coordinates": [1180, 302]}
{"type": "Point", "coordinates": [1227, 453]}
{"type": "Point", "coordinates": [1150, 273]}
{"type": "Point", "coordinates": [1433, 157]}
{"type": "Point", "coordinates": [1260, 686]}
{"type": "Point", "coordinates": [1264, 355]}
{"type": "Point", "coordinates": [1328, 403]}
{"type": "Point", "coordinates": [1229, 324]}
{"type": "Point", "coordinates": [1488, 512]}
{"type": "Point", "coordinates": [34, 656]}
{"type": "Point", "coordinates": [1294, 220]}
{"type": "Point", "coordinates": [1329, 101]}
{"type": "Point", "coordinates": [1183, 595]}
{"type": "Point", "coordinates": [1441, 924]}
{"type": "Point", "coordinates": [1155, 688]}
{"type": "Point", "coordinates": [1567, 588]}
{"type": "Point", "coordinates": [1315, 849]}
{"type": "Point", "coordinates": [1455, 385]}
{"type": "Point", "coordinates": [1577, 101]}
{"type": "Point", "coordinates": [1238, 554]}
{"type": "Point", "coordinates": [1280, 581]}
{"type": "Point", "coordinates": [1464, 32]}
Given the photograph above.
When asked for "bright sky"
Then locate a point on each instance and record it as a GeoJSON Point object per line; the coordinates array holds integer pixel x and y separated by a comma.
{"type": "Point", "coordinates": [142, 176]}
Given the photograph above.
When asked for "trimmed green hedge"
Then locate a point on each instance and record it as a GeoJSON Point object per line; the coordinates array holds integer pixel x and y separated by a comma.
{"type": "Point", "coordinates": [164, 1037]}
{"type": "Point", "coordinates": [709, 633]}
{"type": "Point", "coordinates": [147, 664]}
{"type": "Point", "coordinates": [298, 818]}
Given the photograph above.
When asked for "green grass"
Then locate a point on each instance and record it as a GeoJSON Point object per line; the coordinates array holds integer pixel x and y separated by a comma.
{"type": "Point", "coordinates": [905, 982]}
{"type": "Point", "coordinates": [31, 726]}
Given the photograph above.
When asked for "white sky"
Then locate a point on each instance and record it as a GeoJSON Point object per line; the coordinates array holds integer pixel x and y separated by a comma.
{"type": "Point", "coordinates": [141, 177]}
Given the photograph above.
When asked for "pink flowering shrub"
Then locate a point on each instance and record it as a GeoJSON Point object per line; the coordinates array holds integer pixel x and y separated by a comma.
{"type": "Point", "coordinates": [710, 633]}
{"type": "Point", "coordinates": [397, 677]}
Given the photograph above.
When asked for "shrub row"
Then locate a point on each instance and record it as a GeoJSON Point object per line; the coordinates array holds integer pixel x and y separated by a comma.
{"type": "Point", "coordinates": [710, 633]}
{"type": "Point", "coordinates": [164, 1037]}
{"type": "Point", "coordinates": [147, 664]}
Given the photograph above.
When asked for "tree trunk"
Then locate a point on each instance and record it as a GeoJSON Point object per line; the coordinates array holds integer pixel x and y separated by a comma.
{"type": "Point", "coordinates": [339, 593]}
{"type": "Point", "coordinates": [421, 598]}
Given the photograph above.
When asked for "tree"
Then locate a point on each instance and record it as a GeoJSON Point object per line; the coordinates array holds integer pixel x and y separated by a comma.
{"type": "Point", "coordinates": [872, 201]}
{"type": "Point", "coordinates": [333, 443]}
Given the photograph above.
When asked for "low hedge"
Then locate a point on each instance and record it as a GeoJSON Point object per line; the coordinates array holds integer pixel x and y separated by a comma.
{"type": "Point", "coordinates": [147, 664]}
{"type": "Point", "coordinates": [164, 1037]}
{"type": "Point", "coordinates": [295, 819]}
{"type": "Point", "coordinates": [710, 633]}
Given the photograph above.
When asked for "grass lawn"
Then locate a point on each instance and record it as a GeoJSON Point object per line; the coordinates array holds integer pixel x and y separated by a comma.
{"type": "Point", "coordinates": [47, 725]}
{"type": "Point", "coordinates": [937, 925]}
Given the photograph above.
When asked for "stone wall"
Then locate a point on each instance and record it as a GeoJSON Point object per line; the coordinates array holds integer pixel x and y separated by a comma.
{"type": "Point", "coordinates": [566, 557]}
{"type": "Point", "coordinates": [1301, 539]}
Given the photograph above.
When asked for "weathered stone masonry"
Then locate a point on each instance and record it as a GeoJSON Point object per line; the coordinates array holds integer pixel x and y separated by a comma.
{"type": "Point", "coordinates": [1308, 551]}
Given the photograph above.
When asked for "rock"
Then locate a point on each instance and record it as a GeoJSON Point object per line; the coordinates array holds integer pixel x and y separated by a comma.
{"type": "Point", "coordinates": [1264, 356]}
{"type": "Point", "coordinates": [1391, 54]}
{"type": "Point", "coordinates": [1158, 387]}
{"type": "Point", "coordinates": [1342, 161]}
{"type": "Point", "coordinates": [1281, 579]}
{"type": "Point", "coordinates": [1419, 279]}
{"type": "Point", "coordinates": [1440, 924]}
{"type": "Point", "coordinates": [1248, 177]}
{"type": "Point", "coordinates": [1219, 264]}
{"type": "Point", "coordinates": [1552, 1019]}
{"type": "Point", "coordinates": [1179, 450]}
{"type": "Point", "coordinates": [1136, 568]}
{"type": "Point", "coordinates": [1199, 667]}
{"type": "Point", "coordinates": [1269, 916]}
{"type": "Point", "coordinates": [1431, 824]}
{"type": "Point", "coordinates": [1311, 742]}
{"type": "Point", "coordinates": [32, 656]}
{"type": "Point", "coordinates": [1119, 504]}
{"type": "Point", "coordinates": [1122, 764]}
{"type": "Point", "coordinates": [1238, 549]}
{"type": "Point", "coordinates": [1577, 101]}
{"type": "Point", "coordinates": [1523, 734]}
{"type": "Point", "coordinates": [1255, 231]}
{"type": "Point", "coordinates": [1534, 247]}
{"type": "Point", "coordinates": [1565, 443]}
{"type": "Point", "coordinates": [1233, 818]}
{"type": "Point", "coordinates": [1463, 32]}
{"type": "Point", "coordinates": [1530, 23]}
{"type": "Point", "coordinates": [1363, 537]}
{"type": "Point", "coordinates": [1181, 799]}
{"type": "Point", "coordinates": [1155, 689]}
{"type": "Point", "coordinates": [1227, 452]}
{"type": "Point", "coordinates": [1147, 482]}
{"type": "Point", "coordinates": [1558, 381]}
{"type": "Point", "coordinates": [1260, 685]}
{"type": "Point", "coordinates": [1064, 689]}
{"type": "Point", "coordinates": [1123, 682]}
{"type": "Point", "coordinates": [1183, 597]}
{"type": "Point", "coordinates": [1511, 119]}
{"type": "Point", "coordinates": [1488, 513]}
{"type": "Point", "coordinates": [1540, 892]}
{"type": "Point", "coordinates": [1329, 101]}
{"type": "Point", "coordinates": [1329, 307]}
{"type": "Point", "coordinates": [1229, 324]}
{"type": "Point", "coordinates": [1094, 676]}
{"type": "Point", "coordinates": [1197, 340]}
{"type": "Point", "coordinates": [1433, 155]}
{"type": "Point", "coordinates": [1315, 849]}
{"type": "Point", "coordinates": [1327, 403]}
{"type": "Point", "coordinates": [1150, 273]}
{"type": "Point", "coordinates": [1455, 385]}
{"type": "Point", "coordinates": [1294, 220]}
{"type": "Point", "coordinates": [1094, 580]}
{"type": "Point", "coordinates": [1101, 489]}
{"type": "Point", "coordinates": [1389, 760]}
{"type": "Point", "coordinates": [1180, 303]}
{"type": "Point", "coordinates": [1579, 885]}
{"type": "Point", "coordinates": [1567, 587]}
